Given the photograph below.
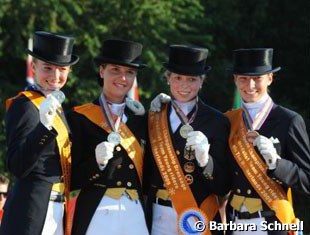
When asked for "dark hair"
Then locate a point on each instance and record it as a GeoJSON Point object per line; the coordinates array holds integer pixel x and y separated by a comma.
{"type": "Point", "coordinates": [100, 79]}
{"type": "Point", "coordinates": [4, 180]}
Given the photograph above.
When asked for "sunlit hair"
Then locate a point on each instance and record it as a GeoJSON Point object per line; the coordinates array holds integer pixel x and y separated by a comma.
{"type": "Point", "coordinates": [167, 74]}
{"type": "Point", "coordinates": [35, 60]}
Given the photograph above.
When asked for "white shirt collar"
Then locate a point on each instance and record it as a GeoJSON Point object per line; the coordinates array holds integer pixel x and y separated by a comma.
{"type": "Point", "coordinates": [116, 108]}
{"type": "Point", "coordinates": [257, 104]}
{"type": "Point", "coordinates": [187, 106]}
{"type": "Point", "coordinates": [255, 108]}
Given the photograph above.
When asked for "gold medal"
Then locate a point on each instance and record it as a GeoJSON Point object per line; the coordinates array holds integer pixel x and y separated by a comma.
{"type": "Point", "coordinates": [251, 136]}
{"type": "Point", "coordinates": [189, 167]}
{"type": "Point", "coordinates": [189, 179]}
{"type": "Point", "coordinates": [185, 129]}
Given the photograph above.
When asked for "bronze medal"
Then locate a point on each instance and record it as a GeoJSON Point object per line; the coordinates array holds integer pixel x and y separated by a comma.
{"type": "Point", "coordinates": [189, 167]}
{"type": "Point", "coordinates": [185, 129]}
{"type": "Point", "coordinates": [189, 179]}
{"type": "Point", "coordinates": [251, 136]}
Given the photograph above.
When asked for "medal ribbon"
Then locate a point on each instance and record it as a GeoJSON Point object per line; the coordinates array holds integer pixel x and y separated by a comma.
{"type": "Point", "coordinates": [183, 118]}
{"type": "Point", "coordinates": [63, 144]}
{"type": "Point", "coordinates": [260, 119]}
{"type": "Point", "coordinates": [109, 115]}
{"type": "Point", "coordinates": [128, 139]}
{"type": "Point", "coordinates": [171, 171]}
{"type": "Point", "coordinates": [255, 170]}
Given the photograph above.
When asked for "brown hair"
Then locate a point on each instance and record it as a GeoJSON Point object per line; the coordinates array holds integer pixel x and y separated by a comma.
{"type": "Point", "coordinates": [4, 180]}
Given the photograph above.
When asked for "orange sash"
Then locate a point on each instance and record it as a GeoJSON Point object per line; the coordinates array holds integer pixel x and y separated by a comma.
{"type": "Point", "coordinates": [255, 170]}
{"type": "Point", "coordinates": [62, 139]}
{"type": "Point", "coordinates": [171, 171]}
{"type": "Point", "coordinates": [128, 141]}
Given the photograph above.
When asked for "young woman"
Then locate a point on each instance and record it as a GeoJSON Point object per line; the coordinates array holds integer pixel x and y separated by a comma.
{"type": "Point", "coordinates": [270, 147]}
{"type": "Point", "coordinates": [188, 148]}
{"type": "Point", "coordinates": [38, 143]}
{"type": "Point", "coordinates": [108, 147]}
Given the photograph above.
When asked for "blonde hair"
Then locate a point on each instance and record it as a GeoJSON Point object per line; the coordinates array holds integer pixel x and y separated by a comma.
{"type": "Point", "coordinates": [167, 74]}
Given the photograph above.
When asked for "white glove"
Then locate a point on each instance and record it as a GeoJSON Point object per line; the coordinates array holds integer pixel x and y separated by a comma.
{"type": "Point", "coordinates": [158, 100]}
{"type": "Point", "coordinates": [200, 144]}
{"type": "Point", "coordinates": [104, 152]}
{"type": "Point", "coordinates": [48, 110]}
{"type": "Point", "coordinates": [267, 150]}
{"type": "Point", "coordinates": [135, 106]}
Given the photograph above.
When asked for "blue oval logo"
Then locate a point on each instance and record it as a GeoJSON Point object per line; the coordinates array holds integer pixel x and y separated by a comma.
{"type": "Point", "coordinates": [192, 222]}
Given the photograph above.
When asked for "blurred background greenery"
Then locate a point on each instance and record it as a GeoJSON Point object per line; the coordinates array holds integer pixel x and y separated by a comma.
{"type": "Point", "coordinates": [219, 25]}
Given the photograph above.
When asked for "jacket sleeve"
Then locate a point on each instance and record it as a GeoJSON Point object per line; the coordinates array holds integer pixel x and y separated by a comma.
{"type": "Point", "coordinates": [26, 137]}
{"type": "Point", "coordinates": [85, 169]}
{"type": "Point", "coordinates": [293, 169]}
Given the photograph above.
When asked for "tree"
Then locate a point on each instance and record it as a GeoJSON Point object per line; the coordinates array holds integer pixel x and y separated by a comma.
{"type": "Point", "coordinates": [153, 23]}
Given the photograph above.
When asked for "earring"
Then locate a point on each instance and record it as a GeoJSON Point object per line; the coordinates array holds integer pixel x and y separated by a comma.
{"type": "Point", "coordinates": [168, 83]}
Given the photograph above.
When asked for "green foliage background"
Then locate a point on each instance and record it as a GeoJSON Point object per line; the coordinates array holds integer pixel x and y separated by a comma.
{"type": "Point", "coordinates": [219, 25]}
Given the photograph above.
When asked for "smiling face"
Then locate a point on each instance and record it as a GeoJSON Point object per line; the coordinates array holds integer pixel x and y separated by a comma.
{"type": "Point", "coordinates": [184, 88]}
{"type": "Point", "coordinates": [117, 81]}
{"type": "Point", "coordinates": [48, 76]}
{"type": "Point", "coordinates": [253, 88]}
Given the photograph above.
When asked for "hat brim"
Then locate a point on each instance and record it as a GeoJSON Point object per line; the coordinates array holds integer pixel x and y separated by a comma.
{"type": "Point", "coordinates": [187, 70]}
{"type": "Point", "coordinates": [104, 60]}
{"type": "Point", "coordinates": [253, 73]}
{"type": "Point", "coordinates": [74, 59]}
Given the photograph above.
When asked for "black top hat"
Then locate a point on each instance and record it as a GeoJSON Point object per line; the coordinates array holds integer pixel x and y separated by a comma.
{"type": "Point", "coordinates": [187, 60]}
{"type": "Point", "coordinates": [121, 52]}
{"type": "Point", "coordinates": [53, 48]}
{"type": "Point", "coordinates": [253, 61]}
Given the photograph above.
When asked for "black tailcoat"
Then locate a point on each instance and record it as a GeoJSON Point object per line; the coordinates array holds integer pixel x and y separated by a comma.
{"type": "Point", "coordinates": [215, 126]}
{"type": "Point", "coordinates": [293, 169]}
{"type": "Point", "coordinates": [86, 175]}
{"type": "Point", "coordinates": [33, 158]}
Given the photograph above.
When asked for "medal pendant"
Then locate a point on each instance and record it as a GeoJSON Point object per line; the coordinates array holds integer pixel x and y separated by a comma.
{"type": "Point", "coordinates": [251, 136]}
{"type": "Point", "coordinates": [189, 154]}
{"type": "Point", "coordinates": [189, 179]}
{"type": "Point", "coordinates": [114, 138]}
{"type": "Point", "coordinates": [189, 167]}
{"type": "Point", "coordinates": [185, 129]}
{"type": "Point", "coordinates": [59, 95]}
